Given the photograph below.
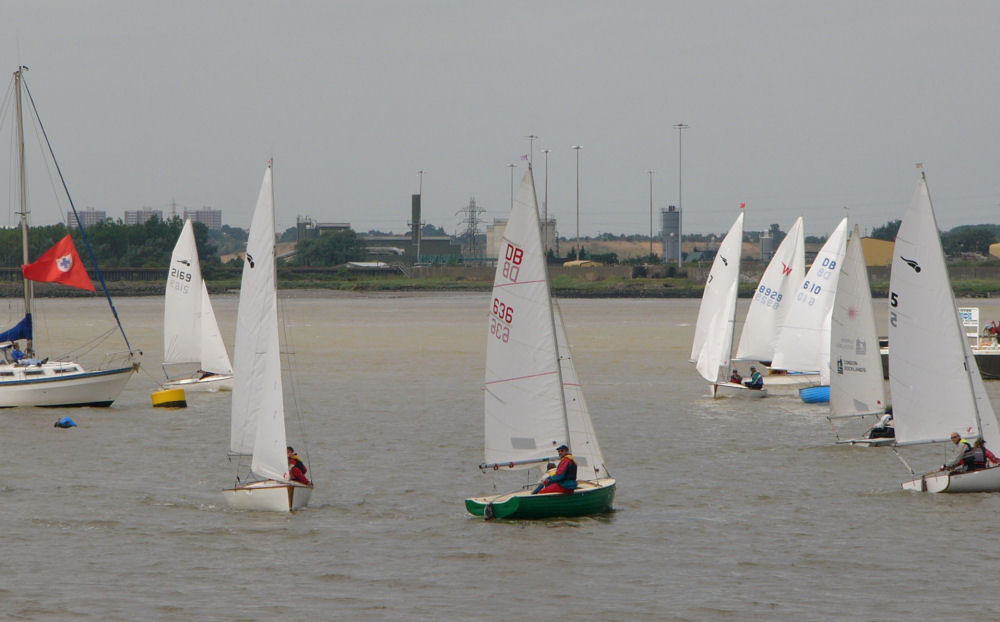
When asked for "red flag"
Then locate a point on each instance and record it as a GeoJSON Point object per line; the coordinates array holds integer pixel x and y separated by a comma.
{"type": "Point", "coordinates": [60, 264]}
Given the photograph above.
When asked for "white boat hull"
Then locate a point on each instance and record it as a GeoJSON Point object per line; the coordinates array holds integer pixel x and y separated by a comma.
{"type": "Point", "coordinates": [983, 480]}
{"type": "Point", "coordinates": [791, 383]}
{"type": "Point", "coordinates": [269, 496]}
{"type": "Point", "coordinates": [61, 385]}
{"type": "Point", "coordinates": [731, 389]}
{"type": "Point", "coordinates": [215, 382]}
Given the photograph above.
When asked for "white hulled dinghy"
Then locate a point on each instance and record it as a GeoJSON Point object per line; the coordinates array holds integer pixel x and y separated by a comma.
{"type": "Point", "coordinates": [933, 377]}
{"type": "Point", "coordinates": [712, 348]}
{"type": "Point", "coordinates": [190, 331]}
{"type": "Point", "coordinates": [804, 338]}
{"type": "Point", "coordinates": [258, 413]}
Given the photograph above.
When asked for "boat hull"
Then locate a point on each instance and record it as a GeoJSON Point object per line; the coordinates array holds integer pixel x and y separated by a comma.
{"type": "Point", "coordinates": [215, 382]}
{"type": "Point", "coordinates": [815, 395]}
{"type": "Point", "coordinates": [731, 389]}
{"type": "Point", "coordinates": [269, 496]}
{"type": "Point", "coordinates": [591, 497]}
{"type": "Point", "coordinates": [983, 480]}
{"type": "Point", "coordinates": [63, 390]}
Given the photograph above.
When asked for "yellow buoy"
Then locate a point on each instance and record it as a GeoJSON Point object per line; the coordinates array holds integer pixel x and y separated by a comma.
{"type": "Point", "coordinates": [169, 398]}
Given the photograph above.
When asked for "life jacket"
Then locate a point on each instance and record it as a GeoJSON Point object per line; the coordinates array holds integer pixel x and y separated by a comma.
{"type": "Point", "coordinates": [570, 471]}
{"type": "Point", "coordinates": [975, 459]}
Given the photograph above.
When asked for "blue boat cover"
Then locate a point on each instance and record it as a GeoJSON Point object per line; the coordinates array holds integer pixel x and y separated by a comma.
{"type": "Point", "coordinates": [65, 422]}
{"type": "Point", "coordinates": [21, 331]}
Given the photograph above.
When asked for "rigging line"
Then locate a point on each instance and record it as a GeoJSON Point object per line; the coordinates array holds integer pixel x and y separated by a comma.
{"type": "Point", "coordinates": [83, 233]}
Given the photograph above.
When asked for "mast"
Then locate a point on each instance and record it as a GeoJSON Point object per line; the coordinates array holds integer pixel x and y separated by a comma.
{"type": "Point", "coordinates": [552, 314]}
{"type": "Point", "coordinates": [22, 181]}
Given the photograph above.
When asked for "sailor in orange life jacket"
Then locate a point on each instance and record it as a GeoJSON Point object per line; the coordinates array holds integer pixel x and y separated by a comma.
{"type": "Point", "coordinates": [564, 479]}
{"type": "Point", "coordinates": [296, 468]}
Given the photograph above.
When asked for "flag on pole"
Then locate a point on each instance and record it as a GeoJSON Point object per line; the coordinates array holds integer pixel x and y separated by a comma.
{"type": "Point", "coordinates": [60, 264]}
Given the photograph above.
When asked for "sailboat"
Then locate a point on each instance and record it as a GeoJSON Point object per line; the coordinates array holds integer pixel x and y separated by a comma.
{"type": "Point", "coordinates": [190, 331]}
{"type": "Point", "coordinates": [257, 425]}
{"type": "Point", "coordinates": [46, 382]}
{"type": "Point", "coordinates": [804, 338]}
{"type": "Point", "coordinates": [533, 399]}
{"type": "Point", "coordinates": [857, 389]}
{"type": "Point", "coordinates": [933, 377]}
{"type": "Point", "coordinates": [713, 333]}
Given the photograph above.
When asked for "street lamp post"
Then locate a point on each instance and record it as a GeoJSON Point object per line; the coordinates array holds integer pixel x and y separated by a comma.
{"type": "Point", "coordinates": [420, 217]}
{"type": "Point", "coordinates": [577, 148]}
{"type": "Point", "coordinates": [512, 167]}
{"type": "Point", "coordinates": [545, 219]}
{"type": "Point", "coordinates": [650, 214]}
{"type": "Point", "coordinates": [680, 127]}
{"type": "Point", "coordinates": [531, 147]}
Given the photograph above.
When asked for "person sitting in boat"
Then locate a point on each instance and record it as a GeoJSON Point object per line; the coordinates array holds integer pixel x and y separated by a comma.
{"type": "Point", "coordinates": [564, 479]}
{"type": "Point", "coordinates": [884, 427]}
{"type": "Point", "coordinates": [736, 378]}
{"type": "Point", "coordinates": [756, 380]}
{"type": "Point", "coordinates": [296, 468]}
{"type": "Point", "coordinates": [16, 354]}
{"type": "Point", "coordinates": [963, 452]}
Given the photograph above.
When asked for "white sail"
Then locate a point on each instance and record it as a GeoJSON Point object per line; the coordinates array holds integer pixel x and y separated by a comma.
{"type": "Point", "coordinates": [190, 331]}
{"type": "Point", "coordinates": [856, 384]}
{"type": "Point", "coordinates": [773, 298]}
{"type": "Point", "coordinates": [583, 439]}
{"type": "Point", "coordinates": [713, 334]}
{"type": "Point", "coordinates": [804, 339]}
{"type": "Point", "coordinates": [258, 418]}
{"type": "Point", "coordinates": [525, 411]}
{"type": "Point", "coordinates": [933, 377]}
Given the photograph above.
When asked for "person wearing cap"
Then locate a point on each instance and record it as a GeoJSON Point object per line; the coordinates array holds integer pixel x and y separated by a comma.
{"type": "Point", "coordinates": [563, 481]}
{"type": "Point", "coordinates": [963, 453]}
{"type": "Point", "coordinates": [756, 380]}
{"type": "Point", "coordinates": [296, 468]}
{"type": "Point", "coordinates": [736, 378]}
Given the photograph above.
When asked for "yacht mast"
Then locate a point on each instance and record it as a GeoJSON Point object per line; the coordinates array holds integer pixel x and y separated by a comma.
{"type": "Point", "coordinates": [28, 286]}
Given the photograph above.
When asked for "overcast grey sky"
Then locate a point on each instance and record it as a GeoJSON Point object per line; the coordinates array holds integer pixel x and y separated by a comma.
{"type": "Point", "coordinates": [796, 108]}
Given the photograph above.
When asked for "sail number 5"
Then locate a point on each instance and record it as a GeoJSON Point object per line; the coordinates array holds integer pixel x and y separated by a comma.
{"type": "Point", "coordinates": [512, 262]}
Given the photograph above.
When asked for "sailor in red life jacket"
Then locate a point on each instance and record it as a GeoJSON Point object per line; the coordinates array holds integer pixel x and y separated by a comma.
{"type": "Point", "coordinates": [296, 468]}
{"type": "Point", "coordinates": [564, 479]}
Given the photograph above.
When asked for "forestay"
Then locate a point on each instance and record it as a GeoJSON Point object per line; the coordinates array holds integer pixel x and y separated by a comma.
{"type": "Point", "coordinates": [804, 339]}
{"type": "Point", "coordinates": [713, 334]}
{"type": "Point", "coordinates": [524, 407]}
{"type": "Point", "coordinates": [258, 420]}
{"type": "Point", "coordinates": [933, 377]}
{"type": "Point", "coordinates": [773, 298]}
{"type": "Point", "coordinates": [856, 384]}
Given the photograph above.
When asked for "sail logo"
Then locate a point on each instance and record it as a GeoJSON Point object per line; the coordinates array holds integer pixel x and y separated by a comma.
{"type": "Point", "coordinates": [840, 366]}
{"type": "Point", "coordinates": [910, 262]}
{"type": "Point", "coordinates": [785, 269]}
{"type": "Point", "coordinates": [860, 347]}
{"type": "Point", "coordinates": [185, 262]}
{"type": "Point", "coordinates": [250, 260]}
{"type": "Point", "coordinates": [725, 262]}
{"type": "Point", "coordinates": [65, 263]}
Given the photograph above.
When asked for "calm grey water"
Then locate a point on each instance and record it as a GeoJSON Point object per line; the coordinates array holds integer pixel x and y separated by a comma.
{"type": "Point", "coordinates": [726, 510]}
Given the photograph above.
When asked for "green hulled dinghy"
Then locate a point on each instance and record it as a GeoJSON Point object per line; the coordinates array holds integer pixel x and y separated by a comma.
{"type": "Point", "coordinates": [534, 402]}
